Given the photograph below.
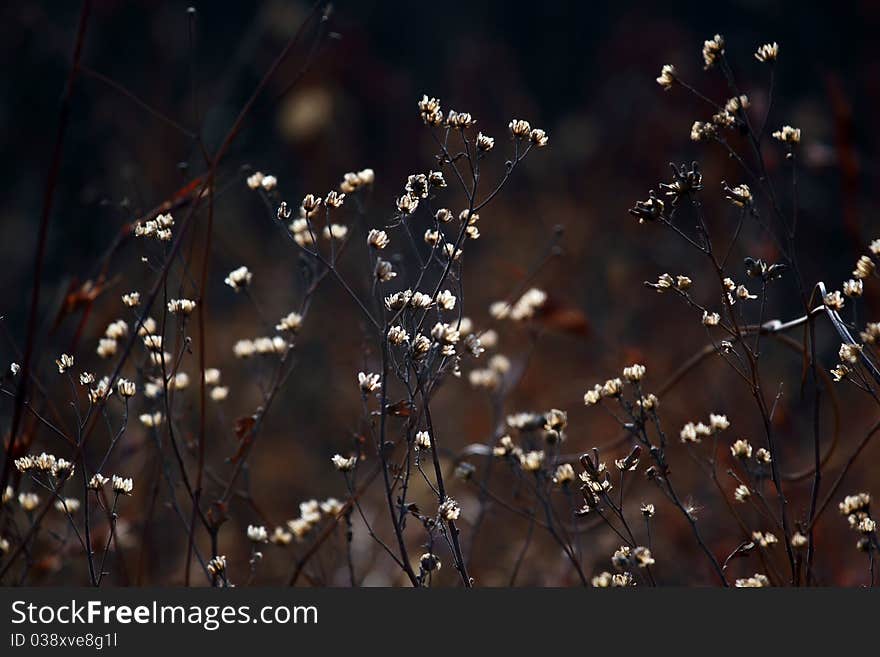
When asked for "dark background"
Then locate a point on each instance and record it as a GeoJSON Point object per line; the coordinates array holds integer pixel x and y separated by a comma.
{"type": "Point", "coordinates": [583, 71]}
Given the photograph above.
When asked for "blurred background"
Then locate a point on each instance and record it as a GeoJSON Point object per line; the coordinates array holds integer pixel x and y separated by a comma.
{"type": "Point", "coordinates": [582, 71]}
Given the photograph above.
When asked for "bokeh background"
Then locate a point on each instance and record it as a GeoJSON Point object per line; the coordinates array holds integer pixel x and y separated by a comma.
{"type": "Point", "coordinates": [584, 72]}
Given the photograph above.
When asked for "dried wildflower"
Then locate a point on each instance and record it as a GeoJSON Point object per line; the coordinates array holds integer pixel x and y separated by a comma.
{"type": "Point", "coordinates": [62, 469]}
{"type": "Point", "coordinates": [181, 306]}
{"type": "Point", "coordinates": [834, 300]}
{"type": "Point", "coordinates": [742, 293]}
{"type": "Point", "coordinates": [701, 131]}
{"type": "Point", "coordinates": [217, 565]}
{"type": "Point", "coordinates": [603, 580]}
{"type": "Point", "coordinates": [126, 388]}
{"type": "Point", "coordinates": [433, 237]}
{"type": "Point", "coordinates": [667, 77]}
{"type": "Point", "coordinates": [291, 322]}
{"type": "Point", "coordinates": [423, 440]}
{"type": "Point", "coordinates": [867, 525]}
{"type": "Point", "coordinates": [369, 382]}
{"type": "Point", "coordinates": [269, 183]}
{"type": "Point", "coordinates": [532, 461]}
{"type": "Point", "coordinates": [649, 402]}
{"type": "Point", "coordinates": [871, 334]}
{"type": "Point", "coordinates": [64, 363]}
{"type": "Point", "coordinates": [864, 267]}
{"type": "Point", "coordinates": [122, 485]}
{"type": "Point", "coordinates": [685, 180]}
{"type": "Point", "coordinates": [768, 52]}
{"type": "Point", "coordinates": [649, 210]}
{"type": "Point", "coordinates": [742, 493]}
{"type": "Point", "coordinates": [421, 300]}
{"type": "Point", "coordinates": [484, 378]}
{"type": "Point", "coordinates": [14, 368]}
{"type": "Point", "coordinates": [764, 539]}
{"type": "Point", "coordinates": [642, 556]}
{"type": "Point", "coordinates": [840, 372]}
{"type": "Point", "coordinates": [741, 449]}
{"type": "Point", "coordinates": [711, 319]}
{"type": "Point", "coordinates": [378, 239]}
{"type": "Point", "coordinates": [397, 335]}
{"type": "Point", "coordinates": [850, 352]}
{"type": "Point", "coordinates": [28, 501]}
{"type": "Point", "coordinates": [664, 282]}
{"type": "Point", "coordinates": [417, 186]}
{"type": "Point", "coordinates": [255, 180]}
{"type": "Point", "coordinates": [429, 562]}
{"type": "Point", "coordinates": [384, 271]}
{"type": "Point", "coordinates": [24, 464]}
{"type": "Point", "coordinates": [740, 196]}
{"type": "Point", "coordinates": [97, 481]}
{"type": "Point", "coordinates": [630, 462]}
{"type": "Point", "coordinates": [281, 537]}
{"type": "Point", "coordinates": [398, 300]}
{"type": "Point", "coordinates": [485, 143]}
{"type": "Point", "coordinates": [352, 182]}
{"type": "Point", "coordinates": [499, 310]}
{"type": "Point", "coordinates": [682, 282]}
{"type": "Point", "coordinates": [798, 540]}
{"type": "Point", "coordinates": [257, 534]}
{"type": "Point", "coordinates": [420, 347]}
{"type": "Point", "coordinates": [723, 119]}
{"type": "Point", "coordinates": [852, 288]}
{"type": "Point", "coordinates": [132, 299]}
{"type": "Point", "coordinates": [244, 349]}
{"type": "Point", "coordinates": [101, 391]}
{"type": "Point", "coordinates": [763, 456]}
{"type": "Point", "coordinates": [180, 381]}
{"type": "Point", "coordinates": [148, 327]}
{"type": "Point", "coordinates": [788, 135]}
{"type": "Point", "coordinates": [634, 373]}
{"type": "Point", "coordinates": [519, 129]}
{"type": "Point", "coordinates": [451, 252]}
{"type": "Point", "coordinates": [335, 232]}
{"type": "Point", "coordinates": [151, 419]}
{"type": "Point", "coordinates": [116, 330]}
{"type": "Point", "coordinates": [612, 388]}
{"type": "Point", "coordinates": [310, 205]}
{"type": "Point", "coordinates": [44, 462]}
{"type": "Point", "coordinates": [860, 502]}
{"type": "Point", "coordinates": [240, 278]}
{"type": "Point", "coordinates": [430, 111]}
{"type": "Point", "coordinates": [219, 393]}
{"type": "Point", "coordinates": [647, 510]}
{"type": "Point", "coordinates": [407, 204]}
{"type": "Point", "coordinates": [459, 120]}
{"type": "Point", "coordinates": [688, 433]}
{"type": "Point", "coordinates": [334, 199]}
{"type": "Point", "coordinates": [538, 137]}
{"type": "Point", "coordinates": [756, 581]}
{"type": "Point", "coordinates": [594, 396]}
{"type": "Point", "coordinates": [299, 527]}
{"type": "Point", "coordinates": [712, 49]}
{"type": "Point", "coordinates": [446, 300]}
{"type": "Point", "coordinates": [737, 103]}
{"type": "Point", "coordinates": [449, 509]}
{"type": "Point", "coordinates": [718, 422]}
{"type": "Point", "coordinates": [564, 474]}
{"type": "Point", "coordinates": [68, 505]}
